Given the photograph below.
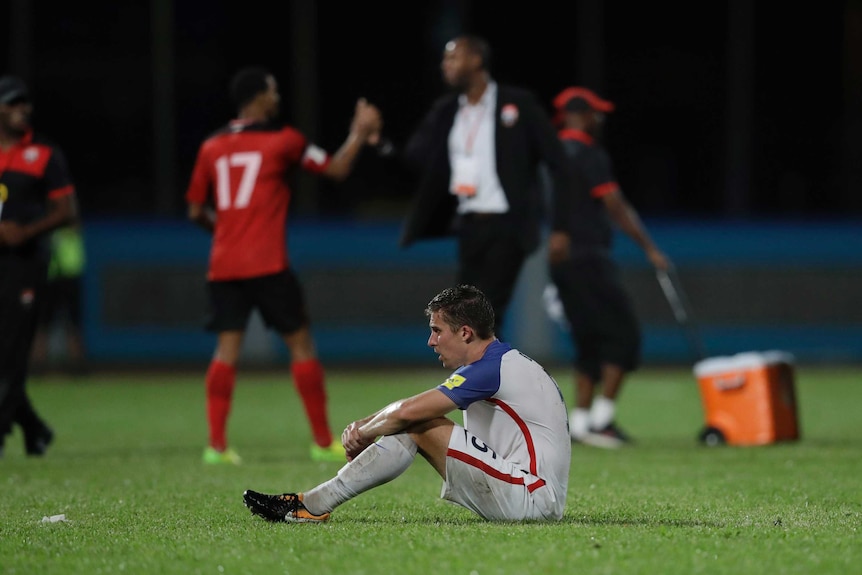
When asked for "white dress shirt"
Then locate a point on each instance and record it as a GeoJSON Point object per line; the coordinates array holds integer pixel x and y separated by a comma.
{"type": "Point", "coordinates": [472, 156]}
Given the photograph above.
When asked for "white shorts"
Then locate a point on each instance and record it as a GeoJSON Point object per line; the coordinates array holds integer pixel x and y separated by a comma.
{"type": "Point", "coordinates": [495, 489]}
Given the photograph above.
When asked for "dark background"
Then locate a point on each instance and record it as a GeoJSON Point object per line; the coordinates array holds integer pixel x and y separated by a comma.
{"type": "Point", "coordinates": [724, 109]}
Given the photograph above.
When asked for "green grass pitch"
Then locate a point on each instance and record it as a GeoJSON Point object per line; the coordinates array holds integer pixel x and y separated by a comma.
{"type": "Point", "coordinates": [126, 472]}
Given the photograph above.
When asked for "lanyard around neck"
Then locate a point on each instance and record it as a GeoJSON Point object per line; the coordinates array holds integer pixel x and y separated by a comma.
{"type": "Point", "coordinates": [473, 127]}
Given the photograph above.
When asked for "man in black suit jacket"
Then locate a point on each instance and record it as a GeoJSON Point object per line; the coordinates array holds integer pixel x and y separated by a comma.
{"type": "Point", "coordinates": [476, 155]}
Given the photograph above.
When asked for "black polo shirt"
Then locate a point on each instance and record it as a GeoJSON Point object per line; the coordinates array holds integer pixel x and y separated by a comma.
{"type": "Point", "coordinates": [591, 175]}
{"type": "Point", "coordinates": [32, 172]}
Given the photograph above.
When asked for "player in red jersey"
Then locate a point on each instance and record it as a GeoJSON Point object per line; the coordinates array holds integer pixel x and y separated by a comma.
{"type": "Point", "coordinates": [239, 192]}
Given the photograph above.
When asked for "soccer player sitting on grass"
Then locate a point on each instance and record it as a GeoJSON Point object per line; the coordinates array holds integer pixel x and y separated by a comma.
{"type": "Point", "coordinates": [510, 461]}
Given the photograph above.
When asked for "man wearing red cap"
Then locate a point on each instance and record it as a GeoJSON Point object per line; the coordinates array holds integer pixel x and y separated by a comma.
{"type": "Point", "coordinates": [598, 310]}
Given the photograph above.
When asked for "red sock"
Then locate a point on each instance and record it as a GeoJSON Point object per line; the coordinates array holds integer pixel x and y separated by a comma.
{"type": "Point", "coordinates": [308, 380]}
{"type": "Point", "coordinates": [220, 381]}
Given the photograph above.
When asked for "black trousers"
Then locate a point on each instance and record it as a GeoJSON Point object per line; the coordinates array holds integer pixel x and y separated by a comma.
{"type": "Point", "coordinates": [491, 256]}
{"type": "Point", "coordinates": [21, 284]}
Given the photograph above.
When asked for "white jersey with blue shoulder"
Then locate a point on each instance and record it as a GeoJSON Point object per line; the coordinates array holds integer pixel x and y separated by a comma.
{"type": "Point", "coordinates": [512, 403]}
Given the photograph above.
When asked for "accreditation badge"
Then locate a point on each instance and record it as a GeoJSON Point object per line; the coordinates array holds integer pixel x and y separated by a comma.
{"type": "Point", "coordinates": [465, 176]}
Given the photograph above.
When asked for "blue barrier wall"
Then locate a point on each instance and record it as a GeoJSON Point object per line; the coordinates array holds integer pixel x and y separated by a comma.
{"type": "Point", "coordinates": [753, 285]}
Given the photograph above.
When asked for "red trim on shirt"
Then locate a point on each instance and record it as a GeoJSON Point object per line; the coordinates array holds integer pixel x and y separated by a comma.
{"type": "Point", "coordinates": [26, 139]}
{"type": "Point", "coordinates": [531, 448]}
{"type": "Point", "coordinates": [61, 192]}
{"type": "Point", "coordinates": [6, 156]}
{"type": "Point", "coordinates": [604, 189]}
{"type": "Point", "coordinates": [579, 135]}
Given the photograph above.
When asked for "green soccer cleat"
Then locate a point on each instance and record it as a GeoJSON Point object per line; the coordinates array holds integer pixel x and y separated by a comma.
{"type": "Point", "coordinates": [335, 453]}
{"type": "Point", "coordinates": [284, 508]}
{"type": "Point", "coordinates": [212, 456]}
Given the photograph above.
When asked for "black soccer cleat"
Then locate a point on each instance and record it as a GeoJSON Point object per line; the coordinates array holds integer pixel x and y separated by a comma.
{"type": "Point", "coordinates": [37, 443]}
{"type": "Point", "coordinates": [286, 507]}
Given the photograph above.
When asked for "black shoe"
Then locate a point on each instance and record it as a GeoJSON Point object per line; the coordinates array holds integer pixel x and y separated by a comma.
{"type": "Point", "coordinates": [36, 443]}
{"type": "Point", "coordinates": [286, 507]}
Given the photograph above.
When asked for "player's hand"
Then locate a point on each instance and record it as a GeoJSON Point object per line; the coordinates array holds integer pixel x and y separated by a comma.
{"type": "Point", "coordinates": [12, 234]}
{"type": "Point", "coordinates": [353, 442]}
{"type": "Point", "coordinates": [367, 121]}
{"type": "Point", "coordinates": [658, 259]}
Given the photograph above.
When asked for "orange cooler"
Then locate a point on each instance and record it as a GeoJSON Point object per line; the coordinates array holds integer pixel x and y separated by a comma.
{"type": "Point", "coordinates": [748, 398]}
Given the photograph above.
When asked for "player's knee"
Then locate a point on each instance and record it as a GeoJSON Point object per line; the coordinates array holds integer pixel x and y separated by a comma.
{"type": "Point", "coordinates": [432, 437]}
{"type": "Point", "coordinates": [407, 442]}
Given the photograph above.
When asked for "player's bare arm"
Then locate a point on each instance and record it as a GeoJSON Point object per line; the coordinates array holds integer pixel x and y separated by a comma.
{"type": "Point", "coordinates": [396, 417]}
{"type": "Point", "coordinates": [625, 216]}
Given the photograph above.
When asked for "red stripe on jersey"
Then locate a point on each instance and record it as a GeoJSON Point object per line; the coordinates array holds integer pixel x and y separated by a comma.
{"type": "Point", "coordinates": [533, 486]}
{"type": "Point", "coordinates": [495, 473]}
{"type": "Point", "coordinates": [61, 192]}
{"type": "Point", "coordinates": [479, 464]}
{"type": "Point", "coordinates": [604, 189]}
{"type": "Point", "coordinates": [531, 448]}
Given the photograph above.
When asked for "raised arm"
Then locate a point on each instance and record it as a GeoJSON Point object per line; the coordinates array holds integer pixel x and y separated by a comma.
{"type": "Point", "coordinates": [364, 129]}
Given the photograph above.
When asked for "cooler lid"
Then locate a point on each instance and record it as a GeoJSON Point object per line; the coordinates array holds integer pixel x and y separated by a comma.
{"type": "Point", "coordinates": [741, 361]}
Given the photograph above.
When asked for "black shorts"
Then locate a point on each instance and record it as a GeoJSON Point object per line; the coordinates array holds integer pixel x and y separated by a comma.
{"type": "Point", "coordinates": [602, 319]}
{"type": "Point", "coordinates": [277, 297]}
